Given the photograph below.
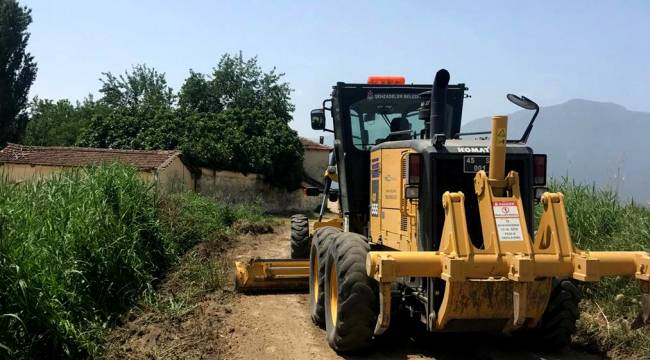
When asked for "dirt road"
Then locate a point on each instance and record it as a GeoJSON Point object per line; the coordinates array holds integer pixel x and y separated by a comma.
{"type": "Point", "coordinates": [278, 326]}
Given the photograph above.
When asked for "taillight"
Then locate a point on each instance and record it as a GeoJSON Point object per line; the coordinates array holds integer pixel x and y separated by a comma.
{"type": "Point", "coordinates": [539, 170]}
{"type": "Point", "coordinates": [414, 169]}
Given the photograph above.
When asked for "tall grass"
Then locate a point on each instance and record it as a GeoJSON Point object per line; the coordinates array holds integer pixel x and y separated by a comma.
{"type": "Point", "coordinates": [78, 249]}
{"type": "Point", "coordinates": [191, 218]}
{"type": "Point", "coordinates": [599, 221]}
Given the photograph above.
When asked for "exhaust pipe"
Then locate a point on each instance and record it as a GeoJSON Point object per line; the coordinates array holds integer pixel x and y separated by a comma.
{"type": "Point", "coordinates": [437, 123]}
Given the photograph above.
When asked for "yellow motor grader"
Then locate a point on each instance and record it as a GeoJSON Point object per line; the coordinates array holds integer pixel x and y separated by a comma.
{"type": "Point", "coordinates": [438, 223]}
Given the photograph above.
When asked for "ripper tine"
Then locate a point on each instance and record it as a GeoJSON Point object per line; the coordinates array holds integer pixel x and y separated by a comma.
{"type": "Point", "coordinates": [644, 316]}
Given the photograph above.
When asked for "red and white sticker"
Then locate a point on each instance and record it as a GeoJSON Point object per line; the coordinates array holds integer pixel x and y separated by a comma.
{"type": "Point", "coordinates": [506, 216]}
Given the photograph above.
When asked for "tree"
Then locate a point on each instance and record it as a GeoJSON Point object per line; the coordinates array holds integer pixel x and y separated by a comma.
{"type": "Point", "coordinates": [236, 119]}
{"type": "Point", "coordinates": [60, 123]}
{"type": "Point", "coordinates": [53, 123]}
{"type": "Point", "coordinates": [237, 83]}
{"type": "Point", "coordinates": [17, 69]}
{"type": "Point", "coordinates": [138, 112]}
{"type": "Point", "coordinates": [159, 129]}
{"type": "Point", "coordinates": [143, 88]}
{"type": "Point", "coordinates": [247, 141]}
{"type": "Point", "coordinates": [197, 95]}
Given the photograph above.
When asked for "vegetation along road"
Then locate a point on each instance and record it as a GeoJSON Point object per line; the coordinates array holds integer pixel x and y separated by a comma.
{"type": "Point", "coordinates": [221, 324]}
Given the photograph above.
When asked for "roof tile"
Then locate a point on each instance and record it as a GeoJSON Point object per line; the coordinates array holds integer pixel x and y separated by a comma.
{"type": "Point", "coordinates": [312, 145]}
{"type": "Point", "coordinates": [77, 156]}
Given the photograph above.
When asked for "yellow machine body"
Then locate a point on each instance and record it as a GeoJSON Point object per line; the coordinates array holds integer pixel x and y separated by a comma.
{"type": "Point", "coordinates": [504, 285]}
{"type": "Point", "coordinates": [271, 274]}
{"type": "Point", "coordinates": [396, 224]}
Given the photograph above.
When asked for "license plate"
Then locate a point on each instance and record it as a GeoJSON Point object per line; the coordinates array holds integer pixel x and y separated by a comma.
{"type": "Point", "coordinates": [475, 163]}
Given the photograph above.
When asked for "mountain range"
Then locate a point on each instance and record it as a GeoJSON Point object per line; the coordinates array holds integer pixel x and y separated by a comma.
{"type": "Point", "coordinates": [586, 141]}
{"type": "Point", "coordinates": [590, 142]}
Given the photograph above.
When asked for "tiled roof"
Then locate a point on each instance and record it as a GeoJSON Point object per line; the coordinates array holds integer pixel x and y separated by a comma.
{"type": "Point", "coordinates": [76, 156]}
{"type": "Point", "coordinates": [312, 145]}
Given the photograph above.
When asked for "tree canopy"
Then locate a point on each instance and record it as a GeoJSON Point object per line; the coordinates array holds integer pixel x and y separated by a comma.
{"type": "Point", "coordinates": [58, 123]}
{"type": "Point", "coordinates": [17, 69]}
{"type": "Point", "coordinates": [237, 83]}
{"type": "Point", "coordinates": [234, 119]}
{"type": "Point", "coordinates": [141, 88]}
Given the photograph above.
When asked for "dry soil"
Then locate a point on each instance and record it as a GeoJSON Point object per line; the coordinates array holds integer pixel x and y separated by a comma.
{"type": "Point", "coordinates": [228, 325]}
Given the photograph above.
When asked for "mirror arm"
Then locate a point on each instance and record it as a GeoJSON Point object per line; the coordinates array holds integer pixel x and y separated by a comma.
{"type": "Point", "coordinates": [524, 137]}
{"type": "Point", "coordinates": [473, 133]}
{"type": "Point", "coordinates": [325, 107]}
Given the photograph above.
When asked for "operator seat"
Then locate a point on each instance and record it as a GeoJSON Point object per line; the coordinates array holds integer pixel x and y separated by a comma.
{"type": "Point", "coordinates": [399, 124]}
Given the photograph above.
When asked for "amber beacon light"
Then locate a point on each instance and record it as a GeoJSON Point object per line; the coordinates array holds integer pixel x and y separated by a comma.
{"type": "Point", "coordinates": [386, 80]}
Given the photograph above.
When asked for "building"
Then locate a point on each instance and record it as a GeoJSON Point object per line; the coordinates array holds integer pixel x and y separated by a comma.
{"type": "Point", "coordinates": [20, 163]}
{"type": "Point", "coordinates": [315, 161]}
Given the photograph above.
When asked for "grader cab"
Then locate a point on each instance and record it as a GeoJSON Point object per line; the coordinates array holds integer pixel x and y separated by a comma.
{"type": "Point", "coordinates": [436, 223]}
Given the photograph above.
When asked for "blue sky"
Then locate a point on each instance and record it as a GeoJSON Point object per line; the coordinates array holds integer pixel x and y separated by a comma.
{"type": "Point", "coordinates": [550, 51]}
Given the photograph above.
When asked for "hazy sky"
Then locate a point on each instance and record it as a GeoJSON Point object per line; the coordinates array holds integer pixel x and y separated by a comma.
{"type": "Point", "coordinates": [550, 51]}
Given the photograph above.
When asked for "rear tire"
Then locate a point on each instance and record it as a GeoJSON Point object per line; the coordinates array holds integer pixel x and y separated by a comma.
{"type": "Point", "coordinates": [559, 319]}
{"type": "Point", "coordinates": [351, 297]}
{"type": "Point", "coordinates": [299, 237]}
{"type": "Point", "coordinates": [317, 260]}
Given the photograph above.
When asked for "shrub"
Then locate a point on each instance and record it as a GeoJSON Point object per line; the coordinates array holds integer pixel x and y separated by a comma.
{"type": "Point", "coordinates": [599, 221]}
{"type": "Point", "coordinates": [79, 248]}
{"type": "Point", "coordinates": [74, 250]}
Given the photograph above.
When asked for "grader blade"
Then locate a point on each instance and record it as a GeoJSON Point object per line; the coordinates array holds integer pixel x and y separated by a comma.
{"type": "Point", "coordinates": [259, 275]}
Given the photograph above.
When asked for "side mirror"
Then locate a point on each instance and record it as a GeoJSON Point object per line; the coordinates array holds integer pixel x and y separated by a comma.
{"type": "Point", "coordinates": [528, 104]}
{"type": "Point", "coordinates": [522, 102]}
{"type": "Point", "coordinates": [333, 196]}
{"type": "Point", "coordinates": [318, 119]}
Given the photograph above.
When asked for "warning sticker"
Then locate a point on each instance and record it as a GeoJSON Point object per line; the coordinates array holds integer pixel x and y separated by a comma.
{"type": "Point", "coordinates": [506, 215]}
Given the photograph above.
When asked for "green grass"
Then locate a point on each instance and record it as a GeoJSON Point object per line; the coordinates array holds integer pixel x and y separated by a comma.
{"type": "Point", "coordinates": [82, 247]}
{"type": "Point", "coordinates": [599, 221]}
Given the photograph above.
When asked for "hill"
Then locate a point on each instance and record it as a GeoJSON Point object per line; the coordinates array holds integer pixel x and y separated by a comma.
{"type": "Point", "coordinates": [590, 142]}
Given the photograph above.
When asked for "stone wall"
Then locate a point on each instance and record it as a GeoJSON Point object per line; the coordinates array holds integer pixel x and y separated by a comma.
{"type": "Point", "coordinates": [175, 176]}
{"type": "Point", "coordinates": [220, 185]}
{"type": "Point", "coordinates": [18, 173]}
{"type": "Point", "coordinates": [236, 187]}
{"type": "Point", "coordinates": [315, 162]}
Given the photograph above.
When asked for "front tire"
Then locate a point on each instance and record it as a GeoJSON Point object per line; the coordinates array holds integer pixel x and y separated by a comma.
{"type": "Point", "coordinates": [351, 297]}
{"type": "Point", "coordinates": [559, 319]}
{"type": "Point", "coordinates": [299, 237]}
{"type": "Point", "coordinates": [558, 322]}
{"type": "Point", "coordinates": [317, 260]}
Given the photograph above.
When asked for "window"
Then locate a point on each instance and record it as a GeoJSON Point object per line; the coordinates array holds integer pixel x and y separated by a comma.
{"type": "Point", "coordinates": [372, 119]}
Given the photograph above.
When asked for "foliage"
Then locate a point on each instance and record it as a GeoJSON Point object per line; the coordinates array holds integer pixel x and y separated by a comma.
{"type": "Point", "coordinates": [141, 89]}
{"type": "Point", "coordinates": [135, 129]}
{"type": "Point", "coordinates": [17, 69]}
{"type": "Point", "coordinates": [237, 119]}
{"type": "Point", "coordinates": [74, 250]}
{"type": "Point", "coordinates": [79, 248]}
{"type": "Point", "coordinates": [246, 141]}
{"type": "Point", "coordinates": [59, 123]}
{"type": "Point", "coordinates": [193, 218]}
{"type": "Point", "coordinates": [599, 221]}
{"type": "Point", "coordinates": [237, 83]}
